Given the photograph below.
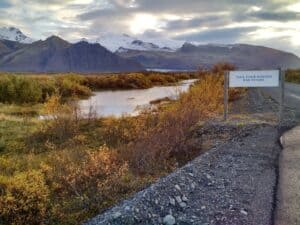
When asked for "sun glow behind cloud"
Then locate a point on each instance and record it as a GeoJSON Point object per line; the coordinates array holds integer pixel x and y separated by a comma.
{"type": "Point", "coordinates": [294, 7]}
{"type": "Point", "coordinates": [142, 22]}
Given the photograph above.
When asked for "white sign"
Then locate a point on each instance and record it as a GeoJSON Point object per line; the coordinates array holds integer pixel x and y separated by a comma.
{"type": "Point", "coordinates": [259, 78]}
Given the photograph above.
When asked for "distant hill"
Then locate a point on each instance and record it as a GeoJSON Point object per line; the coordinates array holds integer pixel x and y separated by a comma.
{"type": "Point", "coordinates": [57, 55]}
{"type": "Point", "coordinates": [190, 57]}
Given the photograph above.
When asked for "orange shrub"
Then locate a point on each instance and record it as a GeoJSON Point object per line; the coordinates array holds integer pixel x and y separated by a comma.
{"type": "Point", "coordinates": [164, 137]}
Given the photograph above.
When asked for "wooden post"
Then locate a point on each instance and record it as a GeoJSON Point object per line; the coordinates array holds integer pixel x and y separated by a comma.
{"type": "Point", "coordinates": [281, 98]}
{"type": "Point", "coordinates": [226, 83]}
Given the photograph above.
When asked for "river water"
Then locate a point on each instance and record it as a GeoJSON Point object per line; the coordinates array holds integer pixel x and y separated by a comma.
{"type": "Point", "coordinates": [129, 102]}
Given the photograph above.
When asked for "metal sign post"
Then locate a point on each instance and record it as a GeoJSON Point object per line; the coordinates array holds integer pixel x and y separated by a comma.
{"type": "Point", "coordinates": [281, 98]}
{"type": "Point", "coordinates": [226, 83]}
{"type": "Point", "coordinates": [254, 78]}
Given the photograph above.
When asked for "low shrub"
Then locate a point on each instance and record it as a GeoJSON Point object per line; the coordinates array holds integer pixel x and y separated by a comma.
{"type": "Point", "coordinates": [135, 80]}
{"type": "Point", "coordinates": [19, 89]}
{"type": "Point", "coordinates": [60, 125]}
{"type": "Point", "coordinates": [163, 140]}
{"type": "Point", "coordinates": [24, 199]}
{"type": "Point", "coordinates": [120, 131]}
{"type": "Point", "coordinates": [88, 182]}
{"type": "Point", "coordinates": [22, 89]}
{"type": "Point", "coordinates": [72, 86]}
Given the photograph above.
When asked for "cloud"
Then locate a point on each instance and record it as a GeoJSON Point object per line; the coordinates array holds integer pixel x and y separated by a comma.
{"type": "Point", "coordinates": [204, 21]}
{"type": "Point", "coordinates": [221, 35]}
{"type": "Point", "coordinates": [223, 21]}
{"type": "Point", "coordinates": [277, 16]}
{"type": "Point", "coordinates": [265, 15]}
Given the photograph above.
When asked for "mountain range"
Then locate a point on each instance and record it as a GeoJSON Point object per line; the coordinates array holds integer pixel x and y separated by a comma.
{"type": "Point", "coordinates": [191, 57]}
{"type": "Point", "coordinates": [57, 55]}
{"type": "Point", "coordinates": [120, 53]}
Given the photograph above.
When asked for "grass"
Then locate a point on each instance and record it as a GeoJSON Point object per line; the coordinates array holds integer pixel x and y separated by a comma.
{"type": "Point", "coordinates": [16, 123]}
{"type": "Point", "coordinates": [67, 170]}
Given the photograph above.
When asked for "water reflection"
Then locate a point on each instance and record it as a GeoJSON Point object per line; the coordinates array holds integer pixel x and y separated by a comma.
{"type": "Point", "coordinates": [129, 102]}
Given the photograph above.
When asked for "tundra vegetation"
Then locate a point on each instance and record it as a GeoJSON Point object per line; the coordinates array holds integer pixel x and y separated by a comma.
{"type": "Point", "coordinates": [68, 169]}
{"type": "Point", "coordinates": [20, 89]}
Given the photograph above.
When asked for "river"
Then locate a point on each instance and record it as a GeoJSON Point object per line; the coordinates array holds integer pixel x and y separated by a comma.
{"type": "Point", "coordinates": [129, 102]}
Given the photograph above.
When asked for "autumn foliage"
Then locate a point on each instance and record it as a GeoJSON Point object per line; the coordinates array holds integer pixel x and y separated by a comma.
{"type": "Point", "coordinates": [70, 168]}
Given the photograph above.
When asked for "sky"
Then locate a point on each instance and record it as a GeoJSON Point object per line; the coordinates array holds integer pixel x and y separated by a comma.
{"type": "Point", "coordinates": [272, 23]}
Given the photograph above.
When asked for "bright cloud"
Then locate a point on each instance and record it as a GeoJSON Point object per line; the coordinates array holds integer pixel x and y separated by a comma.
{"type": "Point", "coordinates": [142, 22]}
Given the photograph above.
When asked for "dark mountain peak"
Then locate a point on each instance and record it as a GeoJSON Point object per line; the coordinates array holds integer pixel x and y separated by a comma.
{"type": "Point", "coordinates": [91, 46]}
{"type": "Point", "coordinates": [137, 42]}
{"type": "Point", "coordinates": [55, 38]}
{"type": "Point", "coordinates": [146, 45]}
{"type": "Point", "coordinates": [83, 40]}
{"type": "Point", "coordinates": [56, 42]}
{"type": "Point", "coordinates": [186, 44]}
{"type": "Point", "coordinates": [82, 43]}
{"type": "Point", "coordinates": [188, 47]}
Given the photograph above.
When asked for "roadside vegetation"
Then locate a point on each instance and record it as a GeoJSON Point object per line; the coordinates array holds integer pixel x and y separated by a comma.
{"type": "Point", "coordinates": [293, 76]}
{"type": "Point", "coordinates": [68, 169]}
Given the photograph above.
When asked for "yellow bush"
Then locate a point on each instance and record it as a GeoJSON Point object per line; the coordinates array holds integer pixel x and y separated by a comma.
{"type": "Point", "coordinates": [118, 131]}
{"type": "Point", "coordinates": [62, 126]}
{"type": "Point", "coordinates": [23, 199]}
{"type": "Point", "coordinates": [87, 182]}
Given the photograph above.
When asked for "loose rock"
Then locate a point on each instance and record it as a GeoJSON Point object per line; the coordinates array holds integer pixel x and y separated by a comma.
{"type": "Point", "coordinates": [169, 220]}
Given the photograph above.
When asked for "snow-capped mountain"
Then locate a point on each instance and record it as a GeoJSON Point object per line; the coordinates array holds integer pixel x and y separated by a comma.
{"type": "Point", "coordinates": [129, 54]}
{"type": "Point", "coordinates": [124, 42]}
{"type": "Point", "coordinates": [14, 34]}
